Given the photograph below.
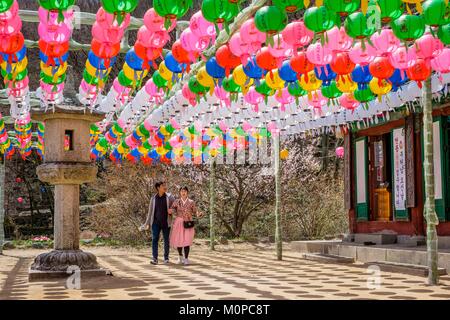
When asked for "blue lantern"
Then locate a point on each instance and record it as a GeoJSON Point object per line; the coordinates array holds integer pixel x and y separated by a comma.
{"type": "Point", "coordinates": [287, 73]}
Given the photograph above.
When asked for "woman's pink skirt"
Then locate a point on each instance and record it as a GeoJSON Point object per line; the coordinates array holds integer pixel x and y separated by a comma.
{"type": "Point", "coordinates": [180, 236]}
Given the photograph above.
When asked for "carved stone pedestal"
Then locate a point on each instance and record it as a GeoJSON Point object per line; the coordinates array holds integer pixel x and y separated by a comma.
{"type": "Point", "coordinates": [66, 165]}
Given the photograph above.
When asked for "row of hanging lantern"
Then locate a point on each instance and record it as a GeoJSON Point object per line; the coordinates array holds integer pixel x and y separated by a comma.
{"type": "Point", "coordinates": [176, 133]}
{"type": "Point", "coordinates": [13, 59]}
{"type": "Point", "coordinates": [55, 31]}
{"type": "Point", "coordinates": [6, 146]}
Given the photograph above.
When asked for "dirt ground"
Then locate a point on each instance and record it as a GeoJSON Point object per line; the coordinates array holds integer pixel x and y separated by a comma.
{"type": "Point", "coordinates": [235, 271]}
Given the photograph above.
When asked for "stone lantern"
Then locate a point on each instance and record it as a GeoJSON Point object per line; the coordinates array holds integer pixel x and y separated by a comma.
{"type": "Point", "coordinates": [66, 165]}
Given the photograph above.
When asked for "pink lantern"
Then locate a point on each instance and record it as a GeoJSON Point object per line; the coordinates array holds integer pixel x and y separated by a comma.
{"type": "Point", "coordinates": [19, 199]}
{"type": "Point", "coordinates": [348, 102]}
{"type": "Point", "coordinates": [152, 39]}
{"type": "Point", "coordinates": [340, 152]}
{"type": "Point", "coordinates": [428, 47]}
{"type": "Point", "coordinates": [223, 126]}
{"type": "Point", "coordinates": [222, 95]}
{"type": "Point", "coordinates": [441, 62]}
{"type": "Point", "coordinates": [284, 98]}
{"type": "Point", "coordinates": [362, 56]}
{"type": "Point", "coordinates": [12, 12]}
{"type": "Point", "coordinates": [253, 98]}
{"type": "Point", "coordinates": [240, 48]}
{"type": "Point", "coordinates": [250, 33]}
{"type": "Point", "coordinates": [192, 43]}
{"type": "Point", "coordinates": [318, 54]}
{"type": "Point", "coordinates": [49, 88]}
{"type": "Point", "coordinates": [403, 58]}
{"type": "Point", "coordinates": [154, 22]}
{"type": "Point", "coordinates": [338, 40]}
{"type": "Point", "coordinates": [189, 95]}
{"type": "Point", "coordinates": [297, 35]}
{"type": "Point", "coordinates": [51, 17]}
{"type": "Point", "coordinates": [108, 20]}
{"type": "Point", "coordinates": [88, 89]}
{"type": "Point", "coordinates": [385, 42]}
{"type": "Point", "coordinates": [52, 34]}
{"type": "Point", "coordinates": [317, 100]}
{"type": "Point", "coordinates": [18, 85]}
{"type": "Point", "coordinates": [201, 27]}
{"type": "Point", "coordinates": [155, 93]}
{"type": "Point", "coordinates": [111, 35]}
{"type": "Point", "coordinates": [280, 50]}
{"type": "Point", "coordinates": [11, 26]}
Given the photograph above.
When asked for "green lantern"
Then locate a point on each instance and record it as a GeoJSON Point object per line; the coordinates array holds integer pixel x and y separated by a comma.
{"type": "Point", "coordinates": [119, 8]}
{"type": "Point", "coordinates": [172, 9]}
{"type": "Point", "coordinates": [54, 4]}
{"type": "Point", "coordinates": [5, 5]}
{"type": "Point", "coordinates": [296, 90]}
{"type": "Point", "coordinates": [342, 7]}
{"type": "Point", "coordinates": [434, 12]}
{"type": "Point", "coordinates": [390, 10]}
{"type": "Point", "coordinates": [50, 80]}
{"type": "Point", "coordinates": [14, 77]}
{"type": "Point", "coordinates": [319, 19]}
{"type": "Point", "coordinates": [444, 33]}
{"type": "Point", "coordinates": [357, 27]}
{"type": "Point", "coordinates": [220, 11]}
{"type": "Point", "coordinates": [408, 27]}
{"type": "Point", "coordinates": [159, 81]}
{"type": "Point", "coordinates": [289, 6]}
{"type": "Point", "coordinates": [270, 20]}
{"type": "Point", "coordinates": [331, 91]}
{"type": "Point", "coordinates": [364, 95]}
{"type": "Point", "coordinates": [196, 87]}
{"type": "Point", "coordinates": [127, 82]}
{"type": "Point", "coordinates": [264, 89]}
{"type": "Point", "coordinates": [230, 86]}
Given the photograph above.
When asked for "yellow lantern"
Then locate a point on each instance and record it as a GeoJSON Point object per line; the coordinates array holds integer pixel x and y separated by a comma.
{"type": "Point", "coordinates": [274, 81]}
{"type": "Point", "coordinates": [380, 87]}
{"type": "Point", "coordinates": [16, 67]}
{"type": "Point", "coordinates": [345, 85]}
{"type": "Point", "coordinates": [241, 79]}
{"type": "Point", "coordinates": [205, 79]}
{"type": "Point", "coordinates": [94, 72]}
{"type": "Point", "coordinates": [134, 74]}
{"type": "Point", "coordinates": [54, 72]}
{"type": "Point", "coordinates": [165, 73]}
{"type": "Point", "coordinates": [311, 82]}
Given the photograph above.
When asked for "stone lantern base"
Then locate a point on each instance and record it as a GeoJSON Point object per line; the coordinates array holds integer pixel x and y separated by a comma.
{"type": "Point", "coordinates": [63, 263]}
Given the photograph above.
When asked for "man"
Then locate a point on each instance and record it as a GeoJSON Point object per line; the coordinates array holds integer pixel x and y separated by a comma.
{"type": "Point", "coordinates": [160, 220]}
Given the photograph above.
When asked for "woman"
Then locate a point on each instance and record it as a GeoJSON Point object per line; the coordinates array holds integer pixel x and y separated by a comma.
{"type": "Point", "coordinates": [182, 236]}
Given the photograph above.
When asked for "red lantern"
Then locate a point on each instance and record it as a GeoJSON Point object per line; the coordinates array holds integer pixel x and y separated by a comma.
{"type": "Point", "coordinates": [18, 180]}
{"type": "Point", "coordinates": [105, 50]}
{"type": "Point", "coordinates": [19, 199]}
{"type": "Point", "coordinates": [265, 60]}
{"type": "Point", "coordinates": [53, 50]}
{"type": "Point", "coordinates": [183, 56]}
{"type": "Point", "coordinates": [226, 59]}
{"type": "Point", "coordinates": [381, 68]}
{"type": "Point", "coordinates": [342, 65]}
{"type": "Point", "coordinates": [10, 44]}
{"type": "Point", "coordinates": [301, 64]}
{"type": "Point", "coordinates": [419, 71]}
{"type": "Point", "coordinates": [147, 54]}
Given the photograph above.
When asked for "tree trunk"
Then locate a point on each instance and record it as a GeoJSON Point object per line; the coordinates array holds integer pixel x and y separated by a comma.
{"type": "Point", "coordinates": [2, 204]}
{"type": "Point", "coordinates": [212, 190]}
{"type": "Point", "coordinates": [278, 238]}
{"type": "Point", "coordinates": [428, 168]}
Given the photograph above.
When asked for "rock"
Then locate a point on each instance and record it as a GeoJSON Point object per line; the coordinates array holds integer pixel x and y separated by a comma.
{"type": "Point", "coordinates": [87, 241]}
{"type": "Point", "coordinates": [238, 241]}
{"type": "Point", "coordinates": [223, 240]}
{"type": "Point", "coordinates": [8, 245]}
{"type": "Point", "coordinates": [87, 235]}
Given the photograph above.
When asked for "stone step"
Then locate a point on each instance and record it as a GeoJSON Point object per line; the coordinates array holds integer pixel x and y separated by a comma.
{"type": "Point", "coordinates": [375, 238]}
{"type": "Point", "coordinates": [327, 258]}
{"type": "Point", "coordinates": [404, 268]}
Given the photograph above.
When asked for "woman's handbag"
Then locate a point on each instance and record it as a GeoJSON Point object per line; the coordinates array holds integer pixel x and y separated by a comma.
{"type": "Point", "coordinates": [188, 224]}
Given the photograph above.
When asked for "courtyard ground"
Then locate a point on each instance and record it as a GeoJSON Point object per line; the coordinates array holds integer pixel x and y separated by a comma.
{"type": "Point", "coordinates": [235, 271]}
